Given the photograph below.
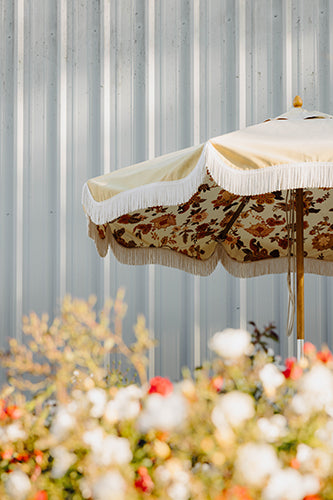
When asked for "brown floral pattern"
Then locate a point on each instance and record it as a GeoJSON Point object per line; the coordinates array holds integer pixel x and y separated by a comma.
{"type": "Point", "coordinates": [196, 227]}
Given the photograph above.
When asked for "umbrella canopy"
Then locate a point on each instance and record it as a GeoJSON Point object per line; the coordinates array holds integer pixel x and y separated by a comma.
{"type": "Point", "coordinates": [224, 200]}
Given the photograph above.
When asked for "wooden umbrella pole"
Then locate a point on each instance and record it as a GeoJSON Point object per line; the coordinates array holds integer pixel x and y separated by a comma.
{"type": "Point", "coordinates": [300, 271]}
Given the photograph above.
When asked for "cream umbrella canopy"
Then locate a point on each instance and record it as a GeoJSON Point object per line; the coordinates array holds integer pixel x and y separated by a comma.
{"type": "Point", "coordinates": [231, 200]}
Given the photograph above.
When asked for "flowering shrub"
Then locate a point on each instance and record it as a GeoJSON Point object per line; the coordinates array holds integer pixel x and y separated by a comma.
{"type": "Point", "coordinates": [240, 428]}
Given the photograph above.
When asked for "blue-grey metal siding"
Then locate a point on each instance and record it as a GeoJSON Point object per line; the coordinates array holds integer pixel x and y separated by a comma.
{"type": "Point", "coordinates": [90, 86]}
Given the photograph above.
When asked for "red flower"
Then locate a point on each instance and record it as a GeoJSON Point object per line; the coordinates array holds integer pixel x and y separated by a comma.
{"type": "Point", "coordinates": [292, 371]}
{"type": "Point", "coordinates": [22, 457]}
{"type": "Point", "coordinates": [144, 482]}
{"type": "Point", "coordinates": [41, 495]}
{"type": "Point", "coordinates": [312, 497]}
{"type": "Point", "coordinates": [325, 355]}
{"type": "Point", "coordinates": [217, 383]}
{"type": "Point", "coordinates": [160, 385]}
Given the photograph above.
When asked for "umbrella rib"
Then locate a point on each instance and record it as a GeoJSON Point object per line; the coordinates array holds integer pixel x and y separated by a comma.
{"type": "Point", "coordinates": [233, 219]}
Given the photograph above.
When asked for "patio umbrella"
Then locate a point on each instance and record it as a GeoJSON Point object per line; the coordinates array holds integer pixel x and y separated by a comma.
{"type": "Point", "coordinates": [241, 199]}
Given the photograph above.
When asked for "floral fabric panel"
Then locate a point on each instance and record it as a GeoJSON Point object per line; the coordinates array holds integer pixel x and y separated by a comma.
{"type": "Point", "coordinates": [196, 227]}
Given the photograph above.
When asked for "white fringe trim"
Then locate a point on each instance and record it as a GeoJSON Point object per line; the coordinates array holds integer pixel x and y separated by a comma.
{"type": "Point", "coordinates": [170, 258]}
{"type": "Point", "coordinates": [268, 179]}
{"type": "Point", "coordinates": [236, 181]}
{"type": "Point", "coordinates": [150, 195]}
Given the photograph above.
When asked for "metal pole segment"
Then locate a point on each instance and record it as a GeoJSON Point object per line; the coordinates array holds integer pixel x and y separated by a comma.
{"type": "Point", "coordinates": [300, 264]}
{"type": "Point", "coordinates": [196, 140]}
{"type": "Point", "coordinates": [300, 349]}
{"type": "Point", "coordinates": [151, 154]}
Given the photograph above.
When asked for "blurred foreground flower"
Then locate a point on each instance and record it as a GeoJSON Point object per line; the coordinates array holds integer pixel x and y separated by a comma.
{"type": "Point", "coordinates": [240, 428]}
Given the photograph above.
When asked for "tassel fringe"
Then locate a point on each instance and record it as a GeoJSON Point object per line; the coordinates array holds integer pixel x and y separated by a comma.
{"type": "Point", "coordinates": [239, 182]}
{"type": "Point", "coordinates": [170, 258]}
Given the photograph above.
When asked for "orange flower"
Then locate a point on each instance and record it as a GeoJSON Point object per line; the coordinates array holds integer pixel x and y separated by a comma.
{"type": "Point", "coordinates": [41, 495]}
{"type": "Point", "coordinates": [38, 456]}
{"type": "Point", "coordinates": [164, 221]}
{"type": "Point", "coordinates": [325, 355]}
{"type": "Point", "coordinates": [7, 454]}
{"type": "Point", "coordinates": [323, 241]}
{"type": "Point", "coordinates": [217, 383]}
{"type": "Point", "coordinates": [199, 217]}
{"type": "Point", "coordinates": [3, 413]}
{"type": "Point", "coordinates": [259, 230]}
{"type": "Point", "coordinates": [235, 493]}
{"type": "Point", "coordinates": [294, 463]}
{"type": "Point", "coordinates": [261, 199]}
{"type": "Point", "coordinates": [14, 412]}
{"type": "Point", "coordinates": [224, 199]}
{"type": "Point", "coordinates": [309, 349]}
{"type": "Point", "coordinates": [36, 473]}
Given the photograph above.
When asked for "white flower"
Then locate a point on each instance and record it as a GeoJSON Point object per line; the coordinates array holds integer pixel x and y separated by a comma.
{"type": "Point", "coordinates": [316, 387]}
{"type": "Point", "coordinates": [236, 406]}
{"type": "Point", "coordinates": [175, 478]}
{"type": "Point", "coordinates": [313, 460]}
{"type": "Point", "coordinates": [63, 459]}
{"type": "Point", "coordinates": [178, 491]}
{"type": "Point", "coordinates": [299, 404]}
{"type": "Point", "coordinates": [63, 423]}
{"type": "Point", "coordinates": [85, 488]}
{"type": "Point", "coordinates": [226, 433]}
{"type": "Point", "coordinates": [271, 378]}
{"type": "Point", "coordinates": [125, 405]}
{"type": "Point", "coordinates": [187, 388]}
{"type": "Point", "coordinates": [289, 484]}
{"type": "Point", "coordinates": [94, 438]}
{"type": "Point", "coordinates": [97, 398]}
{"type": "Point", "coordinates": [272, 428]}
{"type": "Point", "coordinates": [231, 344]}
{"type": "Point", "coordinates": [108, 450]}
{"type": "Point", "coordinates": [110, 486]}
{"type": "Point", "coordinates": [255, 463]}
{"type": "Point", "coordinates": [116, 450]}
{"type": "Point", "coordinates": [17, 485]}
{"type": "Point", "coordinates": [14, 432]}
{"type": "Point", "coordinates": [163, 412]}
{"type": "Point", "coordinates": [325, 434]}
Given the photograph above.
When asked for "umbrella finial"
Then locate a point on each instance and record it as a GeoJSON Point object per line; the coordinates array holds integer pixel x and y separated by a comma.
{"type": "Point", "coordinates": [297, 102]}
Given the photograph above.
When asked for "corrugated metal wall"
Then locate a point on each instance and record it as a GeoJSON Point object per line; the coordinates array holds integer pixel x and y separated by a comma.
{"type": "Point", "coordinates": [94, 85]}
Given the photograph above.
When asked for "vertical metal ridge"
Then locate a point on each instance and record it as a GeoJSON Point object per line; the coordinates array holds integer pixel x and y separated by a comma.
{"type": "Point", "coordinates": [105, 57]}
{"type": "Point", "coordinates": [196, 140]}
{"type": "Point", "coordinates": [288, 88]}
{"type": "Point", "coordinates": [288, 55]}
{"type": "Point", "coordinates": [242, 123]}
{"type": "Point", "coordinates": [19, 160]}
{"type": "Point", "coordinates": [62, 151]}
{"type": "Point", "coordinates": [300, 49]}
{"type": "Point", "coordinates": [316, 48]}
{"type": "Point", "coordinates": [151, 154]}
{"type": "Point", "coordinates": [330, 14]}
